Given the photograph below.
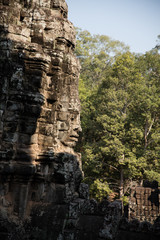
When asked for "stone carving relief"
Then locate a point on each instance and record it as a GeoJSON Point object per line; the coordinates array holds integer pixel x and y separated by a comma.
{"type": "Point", "coordinates": [40, 106]}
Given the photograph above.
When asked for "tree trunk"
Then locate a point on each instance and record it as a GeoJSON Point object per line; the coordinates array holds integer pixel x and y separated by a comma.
{"type": "Point", "coordinates": [147, 131]}
{"type": "Point", "coordinates": [121, 192]}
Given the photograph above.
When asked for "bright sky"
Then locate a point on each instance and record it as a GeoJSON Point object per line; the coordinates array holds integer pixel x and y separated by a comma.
{"type": "Point", "coordinates": [134, 22]}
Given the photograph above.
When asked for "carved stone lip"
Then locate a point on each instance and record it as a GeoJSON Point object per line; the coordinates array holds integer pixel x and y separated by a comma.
{"type": "Point", "coordinates": [74, 138]}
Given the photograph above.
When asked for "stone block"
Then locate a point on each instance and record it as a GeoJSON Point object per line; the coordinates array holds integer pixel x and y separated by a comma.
{"type": "Point", "coordinates": [32, 110]}
{"type": "Point", "coordinates": [146, 202]}
{"type": "Point", "coordinates": [27, 127]}
{"type": "Point", "coordinates": [51, 193]}
{"type": "Point", "coordinates": [146, 213]}
{"type": "Point", "coordinates": [84, 191]}
{"type": "Point", "coordinates": [133, 200]}
{"type": "Point", "coordinates": [6, 2]}
{"type": "Point", "coordinates": [23, 139]}
{"type": "Point", "coordinates": [10, 127]}
{"type": "Point", "coordinates": [63, 116]}
{"type": "Point", "coordinates": [46, 115]}
{"type": "Point", "coordinates": [46, 129]}
{"type": "Point", "coordinates": [148, 191]}
{"type": "Point", "coordinates": [138, 196]}
{"type": "Point", "coordinates": [138, 201]}
{"type": "Point", "coordinates": [60, 193]}
{"type": "Point", "coordinates": [154, 207]}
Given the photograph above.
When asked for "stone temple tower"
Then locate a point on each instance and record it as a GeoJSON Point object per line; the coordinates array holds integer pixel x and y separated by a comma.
{"type": "Point", "coordinates": [39, 107]}
{"type": "Point", "coordinates": [39, 111]}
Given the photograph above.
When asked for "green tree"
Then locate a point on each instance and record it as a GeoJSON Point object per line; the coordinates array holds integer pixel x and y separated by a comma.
{"type": "Point", "coordinates": [120, 114]}
{"type": "Point", "coordinates": [148, 105]}
{"type": "Point", "coordinates": [96, 54]}
{"type": "Point", "coordinates": [158, 43]}
{"type": "Point", "coordinates": [113, 104]}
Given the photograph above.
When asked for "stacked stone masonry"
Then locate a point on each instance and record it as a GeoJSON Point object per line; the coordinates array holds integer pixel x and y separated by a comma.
{"type": "Point", "coordinates": [145, 203]}
{"type": "Point", "coordinates": [42, 196]}
{"type": "Point", "coordinates": [39, 108]}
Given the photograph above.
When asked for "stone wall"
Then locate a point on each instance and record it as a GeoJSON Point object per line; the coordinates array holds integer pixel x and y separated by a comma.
{"type": "Point", "coordinates": [145, 203]}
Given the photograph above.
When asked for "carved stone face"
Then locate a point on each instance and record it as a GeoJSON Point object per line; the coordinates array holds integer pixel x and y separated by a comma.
{"type": "Point", "coordinates": [61, 101]}
{"type": "Point", "coordinates": [68, 104]}
{"type": "Point", "coordinates": [68, 129]}
{"type": "Point", "coordinates": [41, 110]}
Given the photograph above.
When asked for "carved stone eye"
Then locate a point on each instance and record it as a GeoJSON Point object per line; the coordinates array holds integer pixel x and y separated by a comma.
{"type": "Point", "coordinates": [73, 117]}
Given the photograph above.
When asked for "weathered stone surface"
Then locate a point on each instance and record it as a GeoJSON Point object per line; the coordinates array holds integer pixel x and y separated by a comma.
{"type": "Point", "coordinates": [39, 78]}
{"type": "Point", "coordinates": [39, 112]}
{"type": "Point", "coordinates": [144, 202]}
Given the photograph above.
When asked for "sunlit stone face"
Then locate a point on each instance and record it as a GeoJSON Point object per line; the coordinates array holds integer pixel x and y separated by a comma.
{"type": "Point", "coordinates": [61, 103]}
{"type": "Point", "coordinates": [68, 129]}
{"type": "Point", "coordinates": [68, 104]}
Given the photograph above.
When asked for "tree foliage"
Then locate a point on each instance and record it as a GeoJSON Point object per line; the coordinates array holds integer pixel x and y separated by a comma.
{"type": "Point", "coordinates": [120, 97]}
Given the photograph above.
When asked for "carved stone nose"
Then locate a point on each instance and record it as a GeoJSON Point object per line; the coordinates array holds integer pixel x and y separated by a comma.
{"type": "Point", "coordinates": [77, 128]}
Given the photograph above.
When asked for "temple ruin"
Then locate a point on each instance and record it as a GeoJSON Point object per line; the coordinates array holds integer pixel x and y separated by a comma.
{"type": "Point", "coordinates": [42, 196]}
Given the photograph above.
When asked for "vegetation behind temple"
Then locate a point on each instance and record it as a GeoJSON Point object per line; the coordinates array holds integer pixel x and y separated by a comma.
{"type": "Point", "coordinates": [120, 99]}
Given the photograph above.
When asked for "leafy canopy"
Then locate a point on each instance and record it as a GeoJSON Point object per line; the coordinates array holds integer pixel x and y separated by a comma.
{"type": "Point", "coordinates": [120, 116]}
